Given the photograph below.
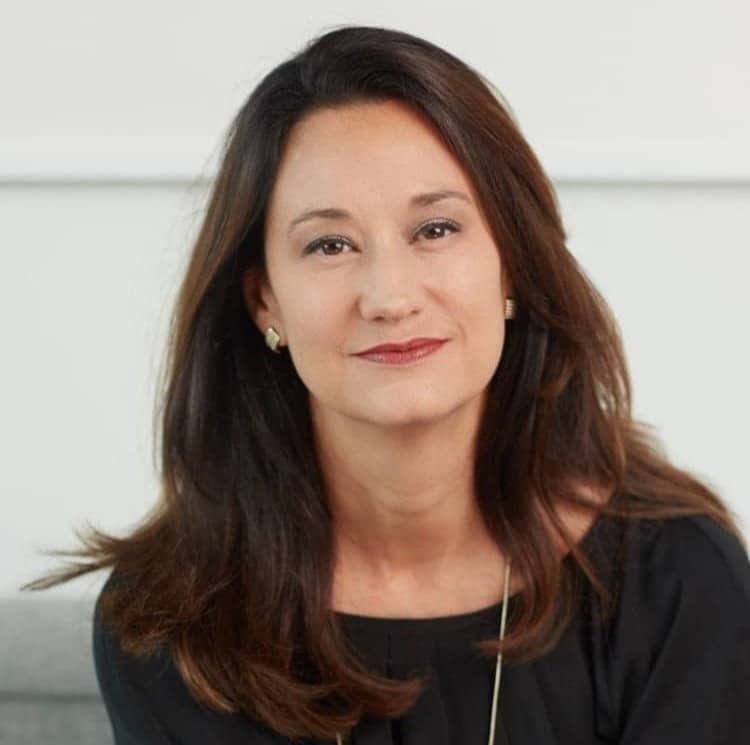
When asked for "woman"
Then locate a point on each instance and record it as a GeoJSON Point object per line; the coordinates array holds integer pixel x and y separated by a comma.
{"type": "Point", "coordinates": [348, 537]}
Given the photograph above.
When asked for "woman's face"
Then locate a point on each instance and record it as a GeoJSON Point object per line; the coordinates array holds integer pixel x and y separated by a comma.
{"type": "Point", "coordinates": [385, 269]}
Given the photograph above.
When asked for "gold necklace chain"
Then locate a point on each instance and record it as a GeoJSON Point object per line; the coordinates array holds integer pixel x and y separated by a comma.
{"type": "Point", "coordinates": [498, 664]}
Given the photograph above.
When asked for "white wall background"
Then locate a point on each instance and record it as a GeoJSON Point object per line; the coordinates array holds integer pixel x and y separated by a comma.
{"type": "Point", "coordinates": [110, 118]}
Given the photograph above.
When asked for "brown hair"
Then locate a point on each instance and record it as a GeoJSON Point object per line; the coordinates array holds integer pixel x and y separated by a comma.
{"type": "Point", "coordinates": [231, 569]}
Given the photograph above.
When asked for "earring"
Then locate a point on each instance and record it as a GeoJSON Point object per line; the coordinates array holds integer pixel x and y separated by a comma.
{"type": "Point", "coordinates": [272, 339]}
{"type": "Point", "coordinates": [510, 307]}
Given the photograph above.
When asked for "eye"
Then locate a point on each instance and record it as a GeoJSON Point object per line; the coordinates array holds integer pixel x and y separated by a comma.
{"type": "Point", "coordinates": [320, 242]}
{"type": "Point", "coordinates": [440, 225]}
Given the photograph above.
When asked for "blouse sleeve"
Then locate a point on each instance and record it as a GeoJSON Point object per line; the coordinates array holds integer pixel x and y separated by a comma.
{"type": "Point", "coordinates": [681, 644]}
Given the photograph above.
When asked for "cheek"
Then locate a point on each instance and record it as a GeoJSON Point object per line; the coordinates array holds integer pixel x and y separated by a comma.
{"type": "Point", "coordinates": [313, 321]}
{"type": "Point", "coordinates": [474, 282]}
{"type": "Point", "coordinates": [477, 288]}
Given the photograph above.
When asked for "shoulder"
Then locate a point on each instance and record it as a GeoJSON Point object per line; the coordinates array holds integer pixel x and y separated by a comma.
{"type": "Point", "coordinates": [106, 645]}
{"type": "Point", "coordinates": [149, 703]}
{"type": "Point", "coordinates": [113, 664]}
{"type": "Point", "coordinates": [682, 626]}
{"type": "Point", "coordinates": [689, 568]}
{"type": "Point", "coordinates": [701, 553]}
{"type": "Point", "coordinates": [717, 545]}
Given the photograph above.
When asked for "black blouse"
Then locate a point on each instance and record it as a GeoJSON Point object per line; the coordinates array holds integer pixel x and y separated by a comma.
{"type": "Point", "coordinates": [672, 666]}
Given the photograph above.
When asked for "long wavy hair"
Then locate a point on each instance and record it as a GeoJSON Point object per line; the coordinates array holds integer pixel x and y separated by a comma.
{"type": "Point", "coordinates": [230, 571]}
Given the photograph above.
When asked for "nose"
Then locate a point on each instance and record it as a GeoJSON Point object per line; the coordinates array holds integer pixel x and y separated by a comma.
{"type": "Point", "coordinates": [392, 283]}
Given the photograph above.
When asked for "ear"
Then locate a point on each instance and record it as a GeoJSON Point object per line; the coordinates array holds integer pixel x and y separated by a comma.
{"type": "Point", "coordinates": [259, 300]}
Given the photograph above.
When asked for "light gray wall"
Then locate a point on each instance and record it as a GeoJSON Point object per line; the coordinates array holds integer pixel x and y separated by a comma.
{"type": "Point", "coordinates": [110, 120]}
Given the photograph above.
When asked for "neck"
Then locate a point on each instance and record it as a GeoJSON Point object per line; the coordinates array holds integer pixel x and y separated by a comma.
{"type": "Point", "coordinates": [402, 499]}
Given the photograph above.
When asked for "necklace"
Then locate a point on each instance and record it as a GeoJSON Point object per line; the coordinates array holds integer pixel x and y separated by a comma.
{"type": "Point", "coordinates": [498, 664]}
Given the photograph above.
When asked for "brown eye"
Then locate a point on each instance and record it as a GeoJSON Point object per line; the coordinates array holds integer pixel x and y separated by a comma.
{"type": "Point", "coordinates": [438, 225]}
{"type": "Point", "coordinates": [320, 242]}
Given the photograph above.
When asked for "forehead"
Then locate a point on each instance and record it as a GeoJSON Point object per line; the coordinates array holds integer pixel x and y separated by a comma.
{"type": "Point", "coordinates": [365, 150]}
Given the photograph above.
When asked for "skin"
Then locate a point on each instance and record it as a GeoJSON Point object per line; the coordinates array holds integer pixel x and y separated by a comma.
{"type": "Point", "coordinates": [395, 444]}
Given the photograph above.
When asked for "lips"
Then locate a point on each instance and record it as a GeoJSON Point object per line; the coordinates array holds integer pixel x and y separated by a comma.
{"type": "Point", "coordinates": [403, 346]}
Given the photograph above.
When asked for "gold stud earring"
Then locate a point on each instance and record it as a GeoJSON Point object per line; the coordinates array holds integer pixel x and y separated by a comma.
{"type": "Point", "coordinates": [272, 339]}
{"type": "Point", "coordinates": [510, 307]}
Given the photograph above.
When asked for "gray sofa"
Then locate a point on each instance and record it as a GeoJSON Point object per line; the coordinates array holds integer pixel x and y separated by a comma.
{"type": "Point", "coordinates": [48, 687]}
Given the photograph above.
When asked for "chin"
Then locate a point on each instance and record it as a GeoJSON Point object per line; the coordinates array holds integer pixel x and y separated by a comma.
{"type": "Point", "coordinates": [400, 413]}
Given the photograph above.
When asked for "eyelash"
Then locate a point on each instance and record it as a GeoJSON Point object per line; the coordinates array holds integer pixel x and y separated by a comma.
{"type": "Point", "coordinates": [319, 242]}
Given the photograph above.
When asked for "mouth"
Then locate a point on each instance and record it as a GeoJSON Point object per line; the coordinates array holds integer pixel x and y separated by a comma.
{"type": "Point", "coordinates": [405, 346]}
{"type": "Point", "coordinates": [403, 356]}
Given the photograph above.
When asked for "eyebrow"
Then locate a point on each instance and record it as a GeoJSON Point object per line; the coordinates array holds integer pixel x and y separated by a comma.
{"type": "Point", "coordinates": [418, 200]}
